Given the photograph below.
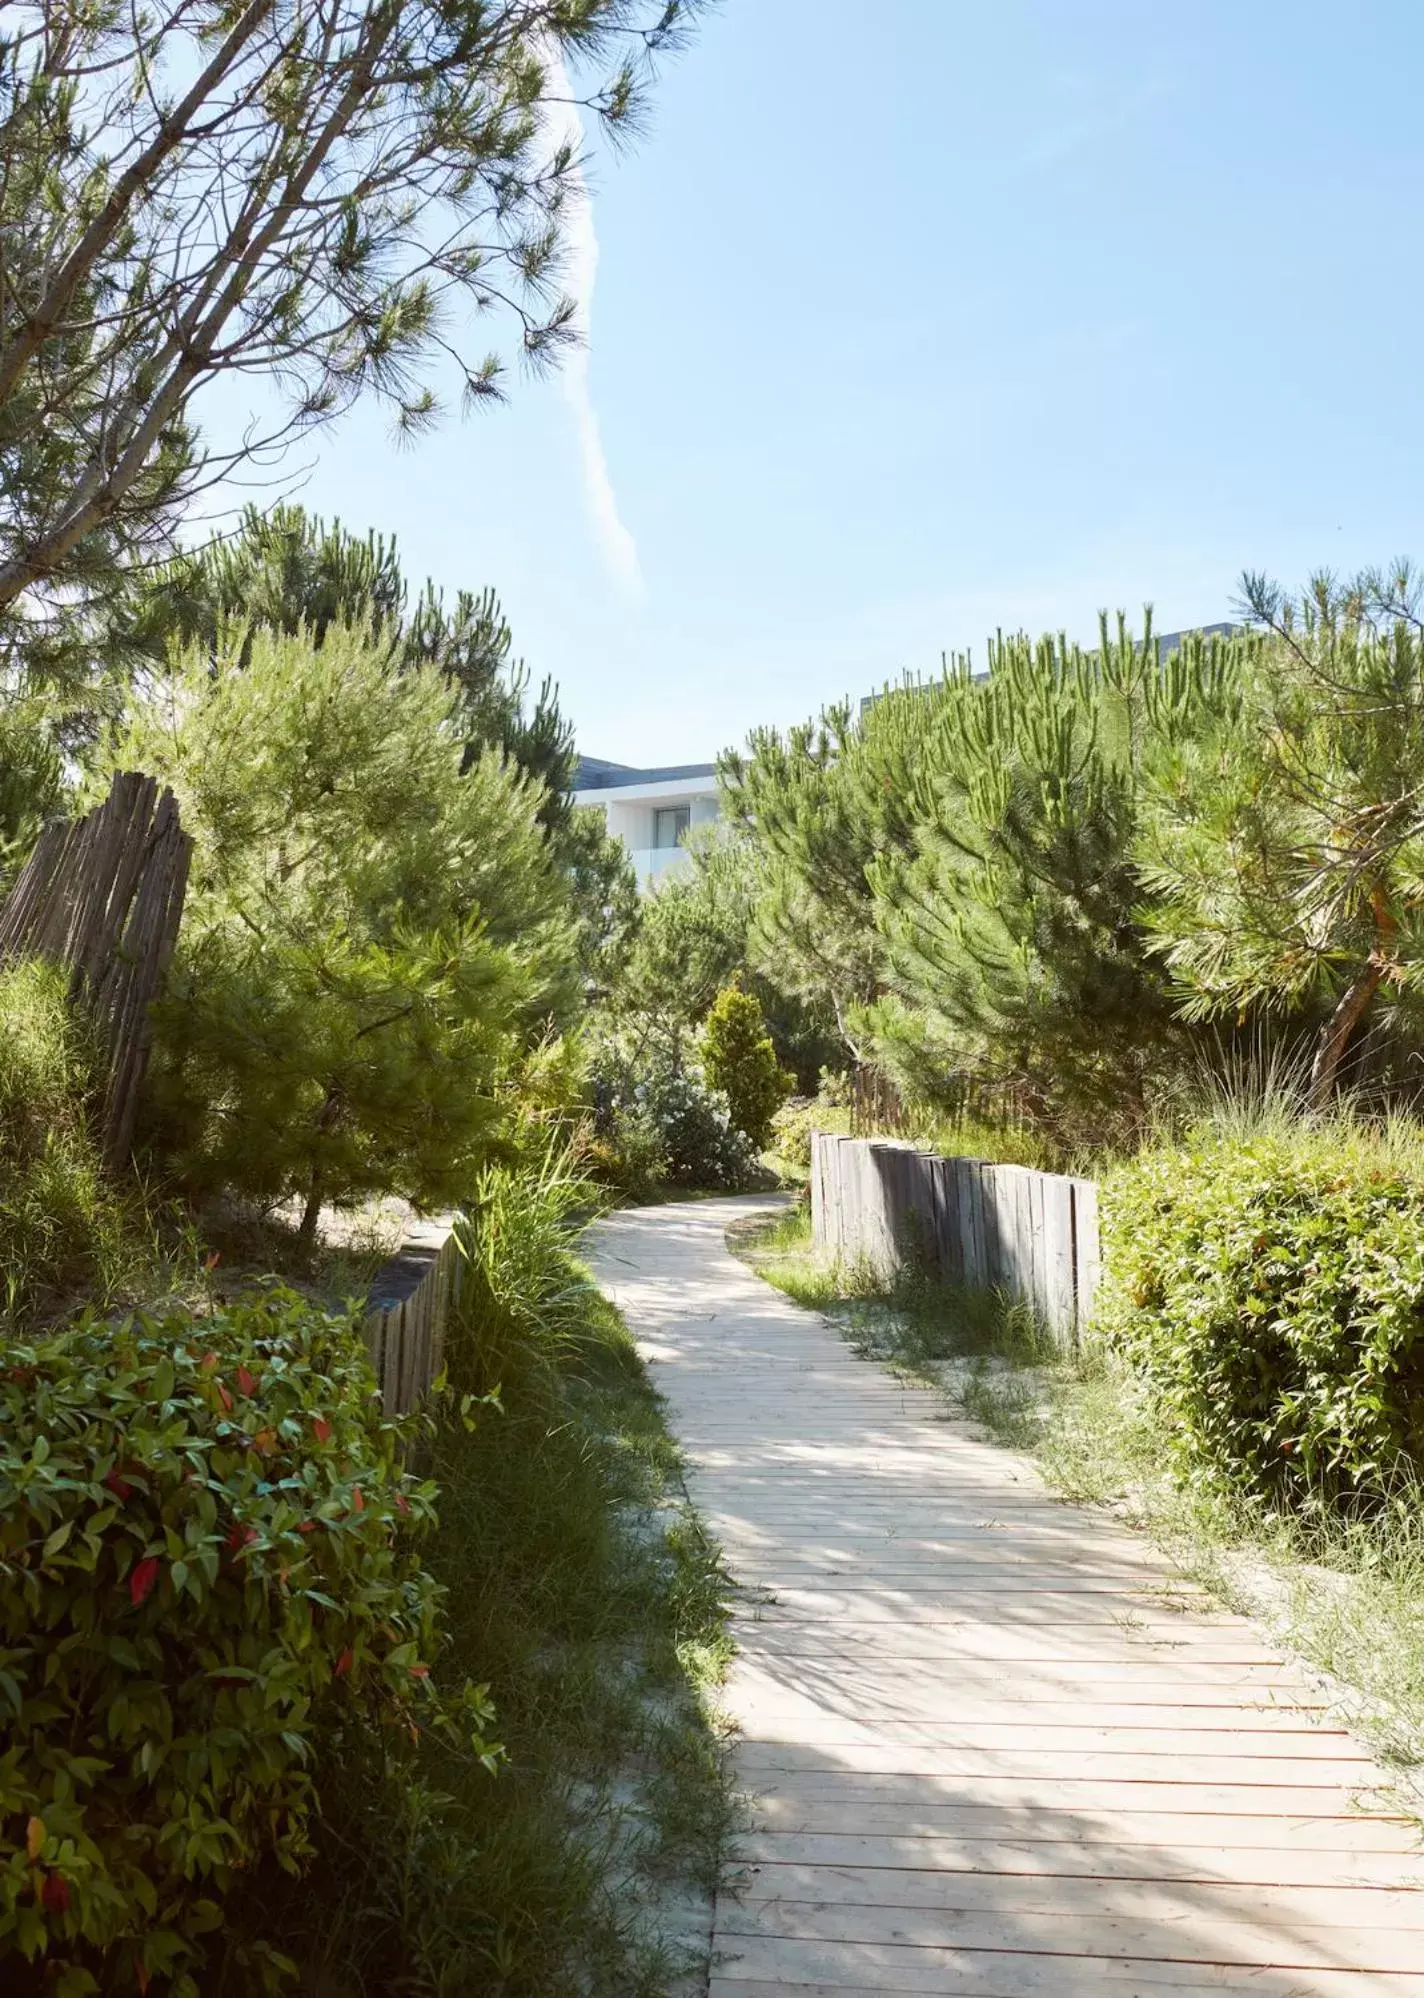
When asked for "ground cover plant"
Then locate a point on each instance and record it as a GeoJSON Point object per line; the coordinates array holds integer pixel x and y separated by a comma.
{"type": "Point", "coordinates": [584, 1593]}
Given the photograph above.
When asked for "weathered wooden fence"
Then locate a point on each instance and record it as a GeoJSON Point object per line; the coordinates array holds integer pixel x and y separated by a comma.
{"type": "Point", "coordinates": [103, 896]}
{"type": "Point", "coordinates": [407, 1310]}
{"type": "Point", "coordinates": [885, 1202]}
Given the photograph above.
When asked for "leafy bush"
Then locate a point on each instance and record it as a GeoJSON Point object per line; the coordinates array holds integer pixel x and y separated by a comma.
{"type": "Point", "coordinates": [739, 1060]}
{"type": "Point", "coordinates": [62, 1228]}
{"type": "Point", "coordinates": [704, 1148]}
{"type": "Point", "coordinates": [208, 1585]}
{"type": "Point", "coordinates": [654, 1114]}
{"type": "Point", "coordinates": [1270, 1290]}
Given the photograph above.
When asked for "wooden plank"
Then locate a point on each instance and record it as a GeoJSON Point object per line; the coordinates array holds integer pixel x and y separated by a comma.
{"type": "Point", "coordinates": [1059, 1303]}
{"type": "Point", "coordinates": [1213, 1937]}
{"type": "Point", "coordinates": [407, 1307]}
{"type": "Point", "coordinates": [871, 1804]}
{"type": "Point", "coordinates": [976, 1241]}
{"type": "Point", "coordinates": [801, 1970]}
{"type": "Point", "coordinates": [1140, 1847]}
{"type": "Point", "coordinates": [1134, 1898]}
{"type": "Point", "coordinates": [1166, 1762]}
{"type": "Point", "coordinates": [1152, 1730]}
{"type": "Point", "coordinates": [1087, 1248]}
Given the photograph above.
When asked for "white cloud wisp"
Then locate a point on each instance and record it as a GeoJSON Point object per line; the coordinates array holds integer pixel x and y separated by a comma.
{"type": "Point", "coordinates": [615, 543]}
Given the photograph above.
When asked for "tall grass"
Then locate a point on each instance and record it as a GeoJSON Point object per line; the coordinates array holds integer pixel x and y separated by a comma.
{"type": "Point", "coordinates": [583, 1591]}
{"type": "Point", "coordinates": [65, 1231]}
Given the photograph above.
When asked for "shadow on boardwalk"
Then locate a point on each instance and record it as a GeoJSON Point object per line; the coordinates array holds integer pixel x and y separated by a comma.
{"type": "Point", "coordinates": [993, 1744]}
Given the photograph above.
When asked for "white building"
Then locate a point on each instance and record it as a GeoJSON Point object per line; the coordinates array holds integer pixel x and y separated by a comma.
{"type": "Point", "coordinates": [651, 811]}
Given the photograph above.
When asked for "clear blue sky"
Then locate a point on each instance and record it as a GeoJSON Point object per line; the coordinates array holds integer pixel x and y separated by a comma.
{"type": "Point", "coordinates": [918, 317]}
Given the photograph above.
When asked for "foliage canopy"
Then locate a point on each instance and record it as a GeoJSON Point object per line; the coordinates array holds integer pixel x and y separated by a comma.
{"type": "Point", "coordinates": [371, 927]}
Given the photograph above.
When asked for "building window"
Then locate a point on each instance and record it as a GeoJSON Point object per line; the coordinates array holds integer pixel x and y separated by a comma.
{"type": "Point", "coordinates": [670, 822]}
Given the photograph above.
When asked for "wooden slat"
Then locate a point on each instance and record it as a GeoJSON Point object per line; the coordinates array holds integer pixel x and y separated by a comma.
{"type": "Point", "coordinates": [409, 1305]}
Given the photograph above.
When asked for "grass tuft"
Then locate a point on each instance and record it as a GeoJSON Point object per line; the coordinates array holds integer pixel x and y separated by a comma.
{"type": "Point", "coordinates": [66, 1232]}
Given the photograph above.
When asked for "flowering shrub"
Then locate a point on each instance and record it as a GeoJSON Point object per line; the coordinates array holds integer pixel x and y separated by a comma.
{"type": "Point", "coordinates": [208, 1580]}
{"type": "Point", "coordinates": [701, 1144]}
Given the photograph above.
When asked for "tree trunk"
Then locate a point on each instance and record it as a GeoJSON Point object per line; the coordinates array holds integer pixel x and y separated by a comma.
{"type": "Point", "coordinates": [1355, 1001]}
{"type": "Point", "coordinates": [311, 1213]}
{"type": "Point", "coordinates": [1335, 1034]}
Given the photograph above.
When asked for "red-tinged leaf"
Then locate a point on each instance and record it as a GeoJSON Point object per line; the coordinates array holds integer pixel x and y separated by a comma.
{"type": "Point", "coordinates": [344, 1663]}
{"type": "Point", "coordinates": [141, 1581]}
{"type": "Point", "coordinates": [211, 1262]}
{"type": "Point", "coordinates": [141, 1976]}
{"type": "Point", "coordinates": [420, 1671]}
{"type": "Point", "coordinates": [241, 1536]}
{"type": "Point", "coordinates": [265, 1442]}
{"type": "Point", "coordinates": [402, 1503]}
{"type": "Point", "coordinates": [56, 1893]}
{"type": "Point", "coordinates": [208, 1362]}
{"type": "Point", "coordinates": [119, 1486]}
{"type": "Point", "coordinates": [34, 1839]}
{"type": "Point", "coordinates": [224, 1397]}
{"type": "Point", "coordinates": [322, 1429]}
{"type": "Point", "coordinates": [358, 1504]}
{"type": "Point", "coordinates": [247, 1382]}
{"type": "Point", "coordinates": [307, 1526]}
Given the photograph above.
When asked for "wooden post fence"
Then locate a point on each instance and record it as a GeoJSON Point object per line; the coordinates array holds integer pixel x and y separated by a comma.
{"type": "Point", "coordinates": [407, 1310]}
{"type": "Point", "coordinates": [885, 1202]}
{"type": "Point", "coordinates": [103, 896]}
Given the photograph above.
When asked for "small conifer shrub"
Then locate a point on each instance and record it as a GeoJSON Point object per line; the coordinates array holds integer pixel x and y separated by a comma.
{"type": "Point", "coordinates": [739, 1059]}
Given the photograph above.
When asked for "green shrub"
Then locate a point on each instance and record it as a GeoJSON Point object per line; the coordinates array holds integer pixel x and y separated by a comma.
{"type": "Point", "coordinates": [1269, 1288]}
{"type": "Point", "coordinates": [62, 1228]}
{"type": "Point", "coordinates": [626, 1152]}
{"type": "Point", "coordinates": [657, 1122]}
{"type": "Point", "coordinates": [209, 1585]}
{"type": "Point", "coordinates": [739, 1059]}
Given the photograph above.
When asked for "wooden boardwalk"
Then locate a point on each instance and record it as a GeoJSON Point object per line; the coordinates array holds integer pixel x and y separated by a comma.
{"type": "Point", "coordinates": [993, 1746]}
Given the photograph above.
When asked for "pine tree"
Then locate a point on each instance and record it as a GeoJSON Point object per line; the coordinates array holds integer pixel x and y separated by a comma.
{"type": "Point", "coordinates": [327, 199]}
{"type": "Point", "coordinates": [372, 929]}
{"type": "Point", "coordinates": [288, 571]}
{"type": "Point", "coordinates": [819, 805]}
{"type": "Point", "coordinates": [1285, 846]}
{"type": "Point", "coordinates": [1013, 930]}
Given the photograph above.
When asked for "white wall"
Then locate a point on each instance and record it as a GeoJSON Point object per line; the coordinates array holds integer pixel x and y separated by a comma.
{"type": "Point", "coordinates": [630, 809]}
